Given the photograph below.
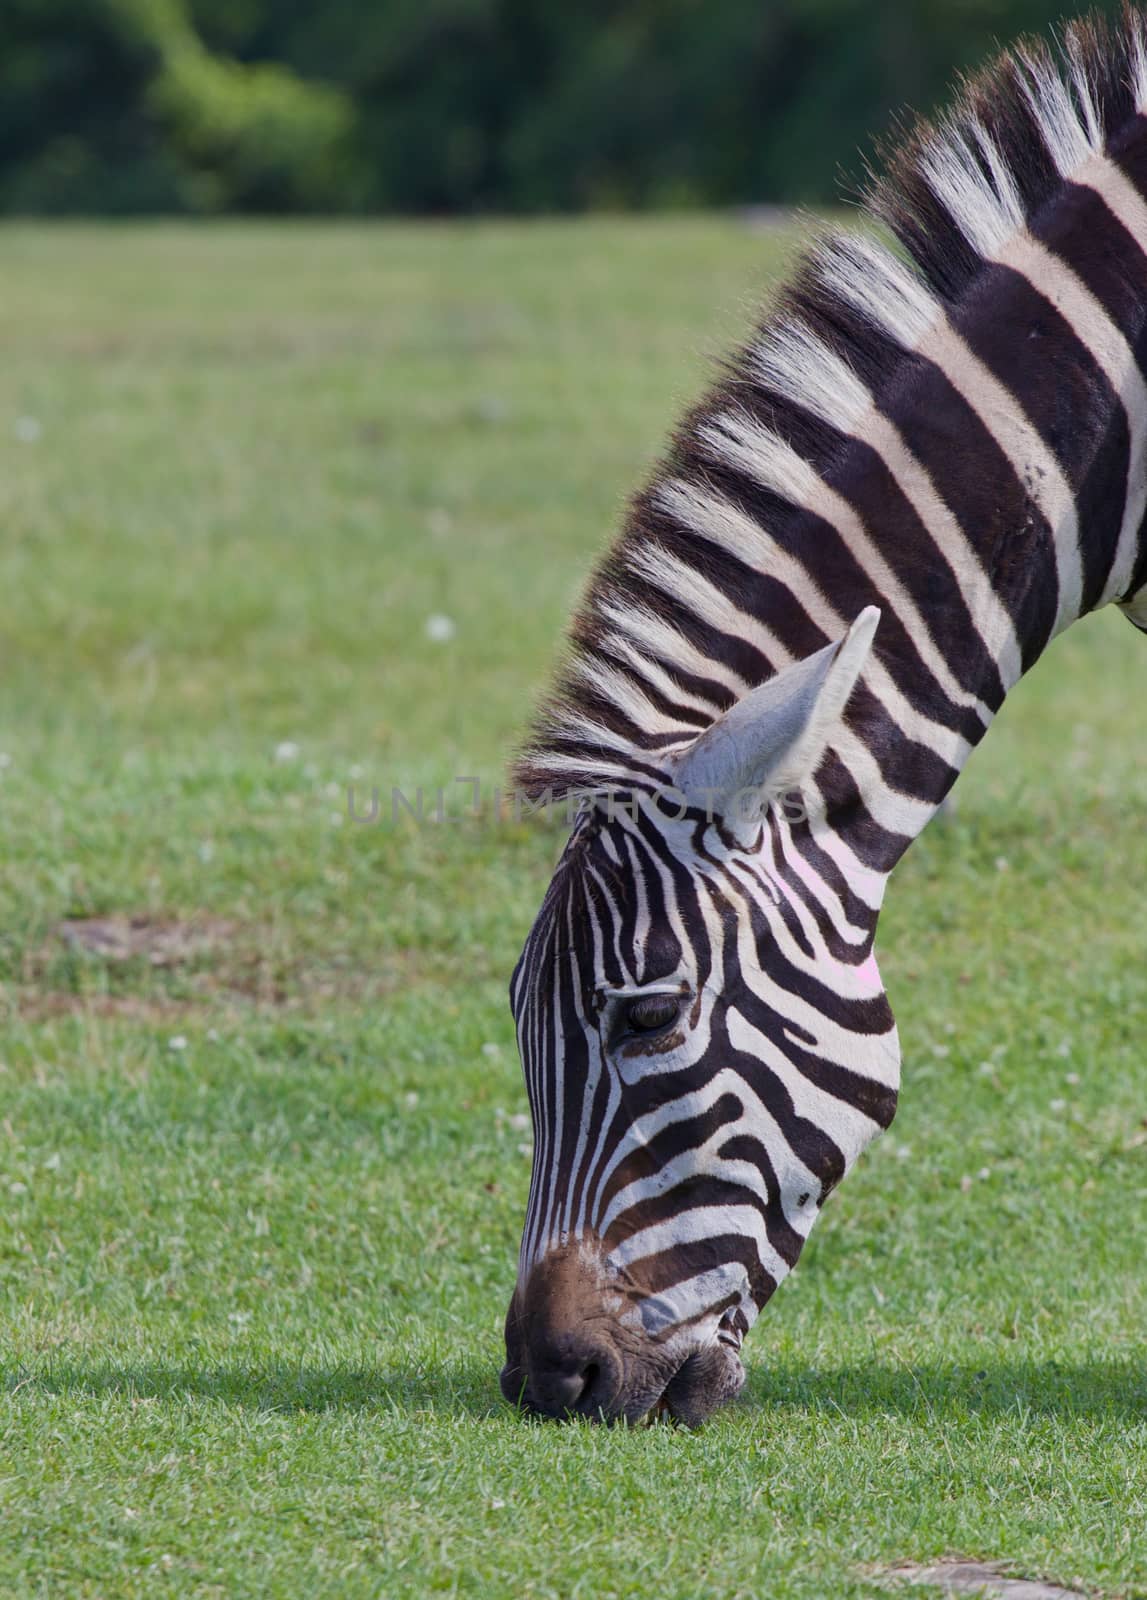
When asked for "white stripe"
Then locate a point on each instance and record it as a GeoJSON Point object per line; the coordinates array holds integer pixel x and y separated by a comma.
{"type": "Point", "coordinates": [986, 210]}
{"type": "Point", "coordinates": [770, 461]}
{"type": "Point", "coordinates": [990, 617]}
{"type": "Point", "coordinates": [691, 1227]}
{"type": "Point", "coordinates": [683, 1301]}
{"type": "Point", "coordinates": [613, 685]}
{"type": "Point", "coordinates": [806, 371]}
{"type": "Point", "coordinates": [658, 637]}
{"type": "Point", "coordinates": [1126, 204]}
{"type": "Point", "coordinates": [1002, 416]}
{"type": "Point", "coordinates": [660, 680]}
{"type": "Point", "coordinates": [716, 519]}
{"type": "Point", "coordinates": [1032, 462]}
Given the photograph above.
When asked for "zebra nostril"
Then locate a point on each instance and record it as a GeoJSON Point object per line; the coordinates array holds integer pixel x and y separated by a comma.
{"type": "Point", "coordinates": [560, 1391]}
{"type": "Point", "coordinates": [569, 1382]}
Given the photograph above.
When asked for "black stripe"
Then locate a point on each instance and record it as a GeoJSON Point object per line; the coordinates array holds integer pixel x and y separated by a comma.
{"type": "Point", "coordinates": [1033, 351]}
{"type": "Point", "coordinates": [671, 1267]}
{"type": "Point", "coordinates": [690, 716]}
{"type": "Point", "coordinates": [1090, 239]}
{"type": "Point", "coordinates": [669, 1142]}
{"type": "Point", "coordinates": [699, 1194]}
{"type": "Point", "coordinates": [976, 481]}
{"type": "Point", "coordinates": [1128, 149]}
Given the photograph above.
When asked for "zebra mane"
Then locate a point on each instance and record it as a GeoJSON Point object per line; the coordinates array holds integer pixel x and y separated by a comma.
{"type": "Point", "coordinates": [656, 650]}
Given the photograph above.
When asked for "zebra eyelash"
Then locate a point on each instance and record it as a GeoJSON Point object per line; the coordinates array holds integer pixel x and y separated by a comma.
{"type": "Point", "coordinates": [612, 1002]}
{"type": "Point", "coordinates": [639, 991]}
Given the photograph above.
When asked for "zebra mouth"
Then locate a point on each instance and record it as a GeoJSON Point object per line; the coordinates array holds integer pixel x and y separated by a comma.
{"type": "Point", "coordinates": [731, 1328]}
{"type": "Point", "coordinates": [703, 1381]}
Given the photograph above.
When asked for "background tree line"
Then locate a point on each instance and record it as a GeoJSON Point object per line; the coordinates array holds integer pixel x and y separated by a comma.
{"type": "Point", "coordinates": [440, 106]}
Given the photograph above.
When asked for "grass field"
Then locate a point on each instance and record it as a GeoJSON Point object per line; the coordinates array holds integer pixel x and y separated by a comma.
{"type": "Point", "coordinates": [261, 1169]}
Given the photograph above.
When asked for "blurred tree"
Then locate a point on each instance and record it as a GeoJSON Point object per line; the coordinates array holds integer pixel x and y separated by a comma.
{"type": "Point", "coordinates": [466, 105]}
{"type": "Point", "coordinates": [74, 134]}
{"type": "Point", "coordinates": [117, 106]}
{"type": "Point", "coordinates": [247, 136]}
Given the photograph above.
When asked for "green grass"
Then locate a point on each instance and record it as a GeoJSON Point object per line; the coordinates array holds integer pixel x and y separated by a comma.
{"type": "Point", "coordinates": [260, 1202]}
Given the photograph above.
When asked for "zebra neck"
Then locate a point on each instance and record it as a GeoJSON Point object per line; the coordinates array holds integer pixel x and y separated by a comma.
{"type": "Point", "coordinates": [992, 495]}
{"type": "Point", "coordinates": [957, 435]}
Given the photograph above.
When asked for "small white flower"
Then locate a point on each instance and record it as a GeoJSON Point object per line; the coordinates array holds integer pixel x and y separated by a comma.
{"type": "Point", "coordinates": [5, 760]}
{"type": "Point", "coordinates": [1057, 1105]}
{"type": "Point", "coordinates": [1064, 1049]}
{"type": "Point", "coordinates": [356, 770]}
{"type": "Point", "coordinates": [986, 1068]}
{"type": "Point", "coordinates": [440, 628]}
{"type": "Point", "coordinates": [410, 1100]}
{"type": "Point", "coordinates": [337, 819]}
{"type": "Point", "coordinates": [1002, 863]}
{"type": "Point", "coordinates": [984, 1172]}
{"type": "Point", "coordinates": [52, 1164]}
{"type": "Point", "coordinates": [903, 1151]}
{"type": "Point", "coordinates": [1072, 1078]}
{"type": "Point", "coordinates": [205, 850]}
{"type": "Point", "coordinates": [496, 1505]}
{"type": "Point", "coordinates": [491, 1049]}
{"type": "Point", "coordinates": [941, 1049]}
{"type": "Point", "coordinates": [286, 750]}
{"type": "Point", "coordinates": [525, 1149]}
{"type": "Point", "coordinates": [29, 430]}
{"type": "Point", "coordinates": [965, 1183]}
{"type": "Point", "coordinates": [212, 1036]}
{"type": "Point", "coordinates": [17, 1187]}
{"type": "Point", "coordinates": [519, 1121]}
{"type": "Point", "coordinates": [177, 1042]}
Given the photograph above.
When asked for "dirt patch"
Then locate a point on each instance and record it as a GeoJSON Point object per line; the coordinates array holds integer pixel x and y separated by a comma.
{"type": "Point", "coordinates": [162, 942]}
{"type": "Point", "coordinates": [157, 968]}
{"type": "Point", "coordinates": [978, 1578]}
{"type": "Point", "coordinates": [48, 1004]}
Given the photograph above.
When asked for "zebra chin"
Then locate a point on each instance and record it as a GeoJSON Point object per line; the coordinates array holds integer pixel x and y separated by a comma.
{"type": "Point", "coordinates": [578, 1346]}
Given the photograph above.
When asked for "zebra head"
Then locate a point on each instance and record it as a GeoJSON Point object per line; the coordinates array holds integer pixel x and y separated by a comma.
{"type": "Point", "coordinates": [707, 1048]}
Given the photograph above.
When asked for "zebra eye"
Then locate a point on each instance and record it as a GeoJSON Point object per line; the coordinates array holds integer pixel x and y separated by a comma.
{"type": "Point", "coordinates": [652, 1012]}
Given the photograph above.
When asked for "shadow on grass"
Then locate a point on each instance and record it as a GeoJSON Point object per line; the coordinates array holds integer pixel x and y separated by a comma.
{"type": "Point", "coordinates": [453, 1390]}
{"type": "Point", "coordinates": [1097, 1390]}
{"type": "Point", "coordinates": [1114, 1390]}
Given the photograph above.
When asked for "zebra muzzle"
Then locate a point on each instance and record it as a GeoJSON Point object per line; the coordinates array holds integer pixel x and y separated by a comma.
{"type": "Point", "coordinates": [571, 1350]}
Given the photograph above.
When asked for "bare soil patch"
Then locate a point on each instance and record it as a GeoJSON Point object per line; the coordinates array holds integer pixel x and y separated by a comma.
{"type": "Point", "coordinates": [163, 942]}
{"type": "Point", "coordinates": [158, 968]}
{"type": "Point", "coordinates": [979, 1578]}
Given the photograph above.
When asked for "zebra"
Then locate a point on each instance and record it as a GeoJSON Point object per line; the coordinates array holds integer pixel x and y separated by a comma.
{"type": "Point", "coordinates": [926, 462]}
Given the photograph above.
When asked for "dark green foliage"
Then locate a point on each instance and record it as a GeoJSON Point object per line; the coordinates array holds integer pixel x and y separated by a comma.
{"type": "Point", "coordinates": [466, 105]}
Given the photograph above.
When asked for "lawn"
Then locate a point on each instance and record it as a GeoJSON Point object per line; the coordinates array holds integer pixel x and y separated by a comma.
{"type": "Point", "coordinates": [290, 509]}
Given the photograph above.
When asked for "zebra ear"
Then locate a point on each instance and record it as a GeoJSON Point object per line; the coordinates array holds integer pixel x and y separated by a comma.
{"type": "Point", "coordinates": [772, 740]}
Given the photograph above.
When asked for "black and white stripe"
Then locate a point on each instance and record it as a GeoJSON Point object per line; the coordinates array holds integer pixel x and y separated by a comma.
{"type": "Point", "coordinates": [956, 435]}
